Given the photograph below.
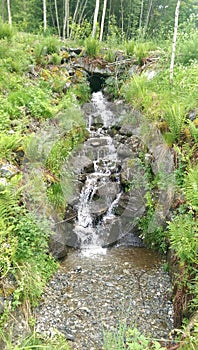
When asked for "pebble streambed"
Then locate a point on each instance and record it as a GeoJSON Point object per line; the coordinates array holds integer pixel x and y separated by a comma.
{"type": "Point", "coordinates": [93, 292]}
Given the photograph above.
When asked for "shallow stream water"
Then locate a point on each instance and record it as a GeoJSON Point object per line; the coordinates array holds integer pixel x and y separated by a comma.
{"type": "Point", "coordinates": [96, 291]}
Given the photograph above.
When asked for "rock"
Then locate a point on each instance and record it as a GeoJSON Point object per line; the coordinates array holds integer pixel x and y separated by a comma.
{"type": "Point", "coordinates": [63, 238]}
{"type": "Point", "coordinates": [124, 152]}
{"type": "Point", "coordinates": [8, 170]}
{"type": "Point", "coordinates": [2, 305]}
{"type": "Point", "coordinates": [127, 129]}
{"type": "Point", "coordinates": [81, 166]}
{"type": "Point", "coordinates": [98, 208]}
{"type": "Point", "coordinates": [108, 190]}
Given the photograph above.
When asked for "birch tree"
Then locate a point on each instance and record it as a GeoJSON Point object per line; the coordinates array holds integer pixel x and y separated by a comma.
{"type": "Point", "coordinates": [148, 16]}
{"type": "Point", "coordinates": [57, 19]}
{"type": "Point", "coordinates": [44, 16]}
{"type": "Point", "coordinates": [174, 40]}
{"type": "Point", "coordinates": [103, 19]}
{"type": "Point", "coordinates": [9, 13]}
{"type": "Point", "coordinates": [141, 14]}
{"type": "Point", "coordinates": [66, 20]}
{"type": "Point", "coordinates": [2, 10]}
{"type": "Point", "coordinates": [95, 18]}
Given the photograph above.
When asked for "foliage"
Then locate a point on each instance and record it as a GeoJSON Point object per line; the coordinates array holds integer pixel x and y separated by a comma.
{"type": "Point", "coordinates": [130, 338]}
{"type": "Point", "coordinates": [80, 31]}
{"type": "Point", "coordinates": [25, 248]}
{"type": "Point", "coordinates": [191, 187]}
{"type": "Point", "coordinates": [8, 144]}
{"type": "Point", "coordinates": [130, 45]}
{"type": "Point", "coordinates": [92, 46]}
{"type": "Point", "coordinates": [161, 102]}
{"type": "Point", "coordinates": [6, 31]}
{"type": "Point", "coordinates": [183, 233]}
{"type": "Point", "coordinates": [37, 341]}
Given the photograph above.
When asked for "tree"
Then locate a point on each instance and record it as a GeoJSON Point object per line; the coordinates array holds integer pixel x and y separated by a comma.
{"type": "Point", "coordinates": [95, 18]}
{"type": "Point", "coordinates": [174, 40]}
{"type": "Point", "coordinates": [57, 19]}
{"type": "Point", "coordinates": [44, 16]}
{"type": "Point", "coordinates": [103, 19]}
{"type": "Point", "coordinates": [9, 13]}
{"type": "Point", "coordinates": [66, 20]}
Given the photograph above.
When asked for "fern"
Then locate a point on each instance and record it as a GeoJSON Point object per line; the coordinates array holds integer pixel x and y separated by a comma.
{"type": "Point", "coordinates": [191, 187]}
{"type": "Point", "coordinates": [183, 233]}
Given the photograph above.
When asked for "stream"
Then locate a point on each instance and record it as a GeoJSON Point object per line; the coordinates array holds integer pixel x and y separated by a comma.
{"type": "Point", "coordinates": [111, 279]}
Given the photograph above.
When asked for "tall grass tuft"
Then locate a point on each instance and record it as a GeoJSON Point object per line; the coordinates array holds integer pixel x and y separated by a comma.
{"type": "Point", "coordinates": [92, 46]}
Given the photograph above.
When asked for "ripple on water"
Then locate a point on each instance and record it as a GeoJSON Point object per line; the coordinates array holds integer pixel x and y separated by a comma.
{"type": "Point", "coordinates": [96, 288]}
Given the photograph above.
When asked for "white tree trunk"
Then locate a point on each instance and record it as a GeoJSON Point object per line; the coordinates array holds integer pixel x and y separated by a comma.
{"type": "Point", "coordinates": [174, 40]}
{"type": "Point", "coordinates": [148, 16]}
{"type": "Point", "coordinates": [103, 19]}
{"type": "Point", "coordinates": [66, 20]}
{"type": "Point", "coordinates": [44, 16]}
{"type": "Point", "coordinates": [141, 14]}
{"type": "Point", "coordinates": [95, 18]}
{"type": "Point", "coordinates": [82, 13]}
{"type": "Point", "coordinates": [57, 19]}
{"type": "Point", "coordinates": [2, 10]}
{"type": "Point", "coordinates": [122, 18]}
{"type": "Point", "coordinates": [9, 13]}
{"type": "Point", "coordinates": [74, 17]}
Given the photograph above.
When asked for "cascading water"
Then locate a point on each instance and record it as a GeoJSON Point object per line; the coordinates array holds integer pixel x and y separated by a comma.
{"type": "Point", "coordinates": [89, 226]}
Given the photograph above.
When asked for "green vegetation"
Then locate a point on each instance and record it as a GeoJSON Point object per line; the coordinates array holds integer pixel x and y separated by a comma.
{"type": "Point", "coordinates": [37, 92]}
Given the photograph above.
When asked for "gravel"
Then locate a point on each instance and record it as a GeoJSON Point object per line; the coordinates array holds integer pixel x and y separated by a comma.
{"type": "Point", "coordinates": [91, 295]}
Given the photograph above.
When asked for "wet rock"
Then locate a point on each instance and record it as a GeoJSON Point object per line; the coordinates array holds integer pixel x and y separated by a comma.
{"type": "Point", "coordinates": [108, 190]}
{"type": "Point", "coordinates": [98, 208]}
{"type": "Point", "coordinates": [82, 165]}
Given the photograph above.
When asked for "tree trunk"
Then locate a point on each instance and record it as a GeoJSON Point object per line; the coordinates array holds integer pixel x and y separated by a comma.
{"type": "Point", "coordinates": [82, 13]}
{"type": "Point", "coordinates": [122, 18]}
{"type": "Point", "coordinates": [141, 14]}
{"type": "Point", "coordinates": [9, 13]}
{"type": "Point", "coordinates": [44, 16]}
{"type": "Point", "coordinates": [148, 16]}
{"type": "Point", "coordinates": [57, 19]}
{"type": "Point", "coordinates": [174, 40]}
{"type": "Point", "coordinates": [74, 17]}
{"type": "Point", "coordinates": [66, 20]}
{"type": "Point", "coordinates": [2, 10]}
{"type": "Point", "coordinates": [95, 18]}
{"type": "Point", "coordinates": [52, 14]}
{"type": "Point", "coordinates": [103, 19]}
